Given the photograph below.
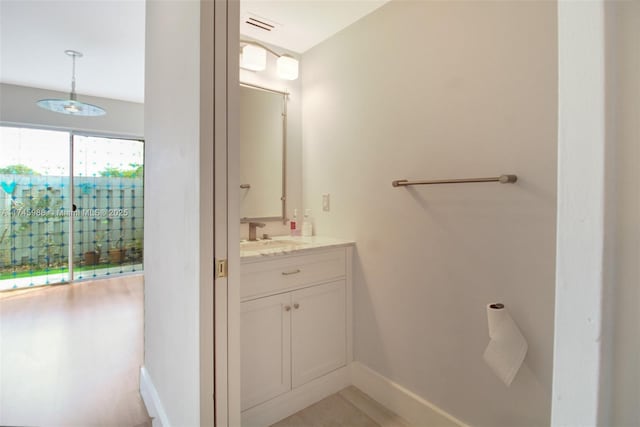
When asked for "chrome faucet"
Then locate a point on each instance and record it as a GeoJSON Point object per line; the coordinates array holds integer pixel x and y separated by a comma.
{"type": "Point", "coordinates": [252, 230]}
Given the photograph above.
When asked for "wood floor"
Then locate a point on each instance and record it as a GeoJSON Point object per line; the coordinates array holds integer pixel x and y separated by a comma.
{"type": "Point", "coordinates": [70, 355]}
{"type": "Point", "coordinates": [347, 408]}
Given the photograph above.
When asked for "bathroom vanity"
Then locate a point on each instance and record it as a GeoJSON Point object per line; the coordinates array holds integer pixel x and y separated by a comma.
{"type": "Point", "coordinates": [295, 292]}
{"type": "Point", "coordinates": [296, 324]}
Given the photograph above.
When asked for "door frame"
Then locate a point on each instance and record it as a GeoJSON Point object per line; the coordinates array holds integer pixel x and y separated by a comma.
{"type": "Point", "coordinates": [219, 122]}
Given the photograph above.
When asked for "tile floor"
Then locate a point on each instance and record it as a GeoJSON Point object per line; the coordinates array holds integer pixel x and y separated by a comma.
{"type": "Point", "coordinates": [347, 408]}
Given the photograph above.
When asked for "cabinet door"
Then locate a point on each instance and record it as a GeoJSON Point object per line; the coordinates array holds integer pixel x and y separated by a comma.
{"type": "Point", "coordinates": [265, 327]}
{"type": "Point", "coordinates": [318, 331]}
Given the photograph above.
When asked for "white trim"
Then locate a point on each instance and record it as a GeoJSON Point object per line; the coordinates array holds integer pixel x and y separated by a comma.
{"type": "Point", "coordinates": [350, 308]}
{"type": "Point", "coordinates": [152, 401]}
{"type": "Point", "coordinates": [232, 111]}
{"type": "Point", "coordinates": [398, 399]}
{"type": "Point", "coordinates": [224, 75]}
{"type": "Point", "coordinates": [297, 399]}
{"type": "Point", "coordinates": [581, 283]}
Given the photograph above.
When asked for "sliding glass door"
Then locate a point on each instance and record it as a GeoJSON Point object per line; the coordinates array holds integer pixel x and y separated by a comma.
{"type": "Point", "coordinates": [34, 232]}
{"type": "Point", "coordinates": [62, 191]}
{"type": "Point", "coordinates": [108, 196]}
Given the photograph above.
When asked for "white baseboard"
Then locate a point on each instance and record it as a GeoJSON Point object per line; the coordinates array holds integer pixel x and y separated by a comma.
{"type": "Point", "coordinates": [408, 405]}
{"type": "Point", "coordinates": [289, 403]}
{"type": "Point", "coordinates": [152, 401]}
{"type": "Point", "coordinates": [416, 410]}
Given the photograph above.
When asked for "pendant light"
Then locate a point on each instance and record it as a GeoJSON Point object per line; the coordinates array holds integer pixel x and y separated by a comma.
{"type": "Point", "coordinates": [72, 105]}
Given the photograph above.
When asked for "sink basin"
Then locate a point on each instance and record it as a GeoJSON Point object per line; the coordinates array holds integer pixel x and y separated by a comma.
{"type": "Point", "coordinates": [269, 244]}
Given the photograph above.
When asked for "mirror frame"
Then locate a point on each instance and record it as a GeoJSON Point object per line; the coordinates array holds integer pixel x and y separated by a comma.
{"type": "Point", "coordinates": [283, 197]}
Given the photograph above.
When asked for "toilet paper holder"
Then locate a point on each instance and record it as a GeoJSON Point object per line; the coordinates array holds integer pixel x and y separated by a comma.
{"type": "Point", "coordinates": [507, 346]}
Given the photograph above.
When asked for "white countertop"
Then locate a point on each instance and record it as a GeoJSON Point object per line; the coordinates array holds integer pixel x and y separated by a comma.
{"type": "Point", "coordinates": [287, 245]}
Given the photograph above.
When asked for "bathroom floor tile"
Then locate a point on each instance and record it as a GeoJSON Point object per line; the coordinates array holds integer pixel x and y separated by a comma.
{"type": "Point", "coordinates": [347, 408]}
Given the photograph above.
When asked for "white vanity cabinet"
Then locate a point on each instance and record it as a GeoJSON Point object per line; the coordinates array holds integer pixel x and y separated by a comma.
{"type": "Point", "coordinates": [265, 328]}
{"type": "Point", "coordinates": [295, 330]}
{"type": "Point", "coordinates": [318, 331]}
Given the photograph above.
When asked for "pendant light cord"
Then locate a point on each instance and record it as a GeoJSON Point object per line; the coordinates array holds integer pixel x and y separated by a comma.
{"type": "Point", "coordinates": [72, 96]}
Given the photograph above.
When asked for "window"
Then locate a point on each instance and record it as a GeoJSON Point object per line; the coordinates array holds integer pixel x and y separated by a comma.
{"type": "Point", "coordinates": [62, 190]}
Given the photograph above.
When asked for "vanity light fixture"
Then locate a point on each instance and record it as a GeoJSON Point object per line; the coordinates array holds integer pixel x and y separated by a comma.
{"type": "Point", "coordinates": [287, 67]}
{"type": "Point", "coordinates": [72, 105]}
{"type": "Point", "coordinates": [254, 58]}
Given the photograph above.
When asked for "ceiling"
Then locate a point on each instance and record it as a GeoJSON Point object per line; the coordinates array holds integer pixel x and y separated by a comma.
{"type": "Point", "coordinates": [110, 33]}
{"type": "Point", "coordinates": [301, 24]}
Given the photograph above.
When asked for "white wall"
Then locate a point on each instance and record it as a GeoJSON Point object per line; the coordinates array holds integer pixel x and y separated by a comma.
{"type": "Point", "coordinates": [626, 24]}
{"type": "Point", "coordinates": [18, 106]}
{"type": "Point", "coordinates": [423, 90]}
{"type": "Point", "coordinates": [172, 119]}
{"type": "Point", "coordinates": [269, 79]}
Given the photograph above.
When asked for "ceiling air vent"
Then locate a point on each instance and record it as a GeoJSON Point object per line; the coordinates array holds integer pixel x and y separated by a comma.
{"type": "Point", "coordinates": [259, 23]}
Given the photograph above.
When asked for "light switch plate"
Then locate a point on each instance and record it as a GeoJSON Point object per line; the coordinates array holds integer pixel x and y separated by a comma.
{"type": "Point", "coordinates": [326, 202]}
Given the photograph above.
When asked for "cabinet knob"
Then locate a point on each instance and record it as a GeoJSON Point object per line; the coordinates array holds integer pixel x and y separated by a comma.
{"type": "Point", "coordinates": [289, 273]}
{"type": "Point", "coordinates": [296, 306]}
{"type": "Point", "coordinates": [287, 308]}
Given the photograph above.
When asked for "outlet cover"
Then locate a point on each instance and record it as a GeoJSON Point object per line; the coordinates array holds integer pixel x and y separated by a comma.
{"type": "Point", "coordinates": [326, 202]}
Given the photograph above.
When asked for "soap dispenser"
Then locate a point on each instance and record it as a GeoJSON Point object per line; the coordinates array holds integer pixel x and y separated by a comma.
{"type": "Point", "coordinates": [307, 227]}
{"type": "Point", "coordinates": [293, 224]}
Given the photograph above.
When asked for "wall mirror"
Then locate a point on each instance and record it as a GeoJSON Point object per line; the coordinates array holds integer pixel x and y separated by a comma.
{"type": "Point", "coordinates": [263, 125]}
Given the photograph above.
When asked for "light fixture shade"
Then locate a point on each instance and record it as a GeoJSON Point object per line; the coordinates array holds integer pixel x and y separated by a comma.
{"type": "Point", "coordinates": [72, 105]}
{"type": "Point", "coordinates": [254, 58]}
{"type": "Point", "coordinates": [287, 67]}
{"type": "Point", "coordinates": [69, 106]}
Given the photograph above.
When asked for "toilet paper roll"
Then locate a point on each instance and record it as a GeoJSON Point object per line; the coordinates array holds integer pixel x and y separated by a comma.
{"type": "Point", "coordinates": [508, 347]}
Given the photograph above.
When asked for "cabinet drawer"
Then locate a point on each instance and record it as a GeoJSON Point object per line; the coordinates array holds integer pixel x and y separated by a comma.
{"type": "Point", "coordinates": [277, 275]}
